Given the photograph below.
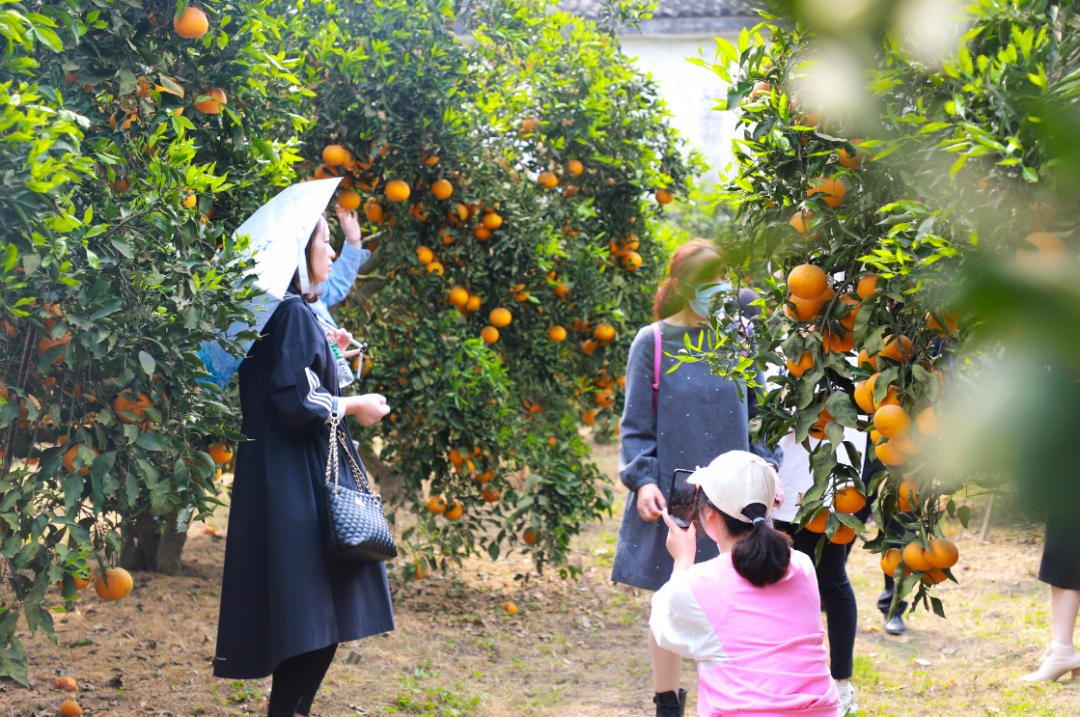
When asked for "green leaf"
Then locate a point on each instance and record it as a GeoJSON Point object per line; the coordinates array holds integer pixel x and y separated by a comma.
{"type": "Point", "coordinates": [842, 410]}
{"type": "Point", "coordinates": [148, 365]}
{"type": "Point", "coordinates": [152, 441]}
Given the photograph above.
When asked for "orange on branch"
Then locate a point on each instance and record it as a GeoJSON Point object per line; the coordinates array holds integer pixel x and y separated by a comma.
{"type": "Point", "coordinates": [891, 560]}
{"type": "Point", "coordinates": [492, 221]}
{"type": "Point", "coordinates": [425, 255]}
{"type": "Point", "coordinates": [904, 444]}
{"type": "Point", "coordinates": [866, 360]}
{"type": "Point", "coordinates": [892, 421]}
{"type": "Point", "coordinates": [336, 155]}
{"type": "Point", "coordinates": [459, 296]}
{"type": "Point", "coordinates": [436, 504]}
{"type": "Point", "coordinates": [631, 261]}
{"type": "Point", "coordinates": [138, 406]}
{"type": "Point", "coordinates": [349, 200]}
{"type": "Point", "coordinates": [435, 267]}
{"type": "Point", "coordinates": [604, 332]}
{"type": "Point", "coordinates": [817, 525]}
{"type": "Point", "coordinates": [859, 161]}
{"type": "Point", "coordinates": [191, 200]}
{"type": "Point", "coordinates": [831, 189]}
{"type": "Point", "coordinates": [806, 362]}
{"type": "Point", "coordinates": [489, 494]}
{"type": "Point", "coordinates": [574, 167]}
{"type": "Point", "coordinates": [191, 24]}
{"type": "Point", "coordinates": [800, 222]}
{"type": "Point", "coordinates": [530, 536]}
{"type": "Point", "coordinates": [119, 584]}
{"type": "Point", "coordinates": [900, 350]}
{"type": "Point", "coordinates": [805, 309]}
{"type": "Point", "coordinates": [1047, 246]}
{"type": "Point", "coordinates": [500, 317]}
{"type": "Point", "coordinates": [864, 394]}
{"type": "Point", "coordinates": [807, 281]}
{"type": "Point", "coordinates": [843, 535]}
{"type": "Point", "coordinates": [473, 303]}
{"type": "Point", "coordinates": [915, 557]}
{"type": "Point", "coordinates": [548, 179]}
{"type": "Point", "coordinates": [442, 189]}
{"type": "Point", "coordinates": [373, 210]}
{"type": "Point", "coordinates": [867, 286]}
{"type": "Point", "coordinates": [907, 495]}
{"type": "Point", "coordinates": [934, 576]}
{"type": "Point", "coordinates": [215, 99]}
{"type": "Point", "coordinates": [454, 511]}
{"type": "Point", "coordinates": [927, 422]}
{"type": "Point", "coordinates": [663, 196]}
{"type": "Point", "coordinates": [892, 398]}
{"type": "Point", "coordinates": [221, 453]}
{"type": "Point", "coordinates": [889, 454]}
{"type": "Point", "coordinates": [942, 553]}
{"type": "Point", "coordinates": [481, 232]}
{"type": "Point", "coordinates": [397, 190]}
{"type": "Point", "coordinates": [489, 334]}
{"type": "Point", "coordinates": [557, 333]}
{"type": "Point", "coordinates": [837, 343]}
{"type": "Point", "coordinates": [818, 429]}
{"type": "Point", "coordinates": [848, 500]}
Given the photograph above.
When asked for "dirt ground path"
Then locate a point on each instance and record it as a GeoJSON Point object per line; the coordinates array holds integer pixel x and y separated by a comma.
{"type": "Point", "coordinates": [573, 649]}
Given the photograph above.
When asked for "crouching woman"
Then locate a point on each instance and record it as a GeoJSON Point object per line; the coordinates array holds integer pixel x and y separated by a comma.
{"type": "Point", "coordinates": [749, 617]}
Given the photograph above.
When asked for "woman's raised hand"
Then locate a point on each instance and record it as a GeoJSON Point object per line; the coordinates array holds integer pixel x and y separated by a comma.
{"type": "Point", "coordinates": [682, 544]}
{"type": "Point", "coordinates": [368, 409]}
{"type": "Point", "coordinates": [350, 225]}
{"type": "Point", "coordinates": [342, 337]}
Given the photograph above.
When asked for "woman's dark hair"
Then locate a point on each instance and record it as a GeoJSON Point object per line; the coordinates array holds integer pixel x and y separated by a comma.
{"type": "Point", "coordinates": [312, 296]}
{"type": "Point", "coordinates": [690, 264]}
{"type": "Point", "coordinates": [763, 556]}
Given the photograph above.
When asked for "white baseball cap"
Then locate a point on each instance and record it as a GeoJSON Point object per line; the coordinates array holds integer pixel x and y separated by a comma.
{"type": "Point", "coordinates": [735, 480]}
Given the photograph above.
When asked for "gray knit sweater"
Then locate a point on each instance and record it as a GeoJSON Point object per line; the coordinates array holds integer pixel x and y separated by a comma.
{"type": "Point", "coordinates": [699, 416]}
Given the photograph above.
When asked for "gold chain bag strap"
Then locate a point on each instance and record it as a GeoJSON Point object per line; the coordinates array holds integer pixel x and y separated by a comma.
{"type": "Point", "coordinates": [356, 528]}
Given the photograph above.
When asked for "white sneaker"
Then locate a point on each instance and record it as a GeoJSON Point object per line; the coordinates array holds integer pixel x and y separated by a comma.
{"type": "Point", "coordinates": [847, 704]}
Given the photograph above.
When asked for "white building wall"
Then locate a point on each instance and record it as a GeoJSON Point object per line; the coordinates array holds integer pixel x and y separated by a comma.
{"type": "Point", "coordinates": [690, 91]}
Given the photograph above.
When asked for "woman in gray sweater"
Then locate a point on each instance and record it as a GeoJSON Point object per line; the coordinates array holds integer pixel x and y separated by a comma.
{"type": "Point", "coordinates": [697, 416]}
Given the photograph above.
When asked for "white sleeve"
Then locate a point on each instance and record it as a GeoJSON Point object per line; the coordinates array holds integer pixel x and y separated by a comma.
{"type": "Point", "coordinates": [679, 625]}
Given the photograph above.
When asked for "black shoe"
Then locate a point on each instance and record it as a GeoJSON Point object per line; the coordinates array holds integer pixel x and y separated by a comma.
{"type": "Point", "coordinates": [896, 625]}
{"type": "Point", "coordinates": [670, 705]}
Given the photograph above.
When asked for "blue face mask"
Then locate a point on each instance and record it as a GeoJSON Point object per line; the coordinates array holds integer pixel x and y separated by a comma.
{"type": "Point", "coordinates": [700, 303]}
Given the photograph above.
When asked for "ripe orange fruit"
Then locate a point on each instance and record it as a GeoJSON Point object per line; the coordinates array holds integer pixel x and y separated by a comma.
{"type": "Point", "coordinates": [837, 343]}
{"type": "Point", "coordinates": [1047, 246]}
{"type": "Point", "coordinates": [436, 503]}
{"type": "Point", "coordinates": [663, 196]}
{"type": "Point", "coordinates": [349, 200]}
{"type": "Point", "coordinates": [425, 255]}
{"type": "Point", "coordinates": [492, 221]}
{"type": "Point", "coordinates": [485, 476]}
{"type": "Point", "coordinates": [898, 350]}
{"type": "Point", "coordinates": [138, 406]}
{"type": "Point", "coordinates": [874, 437]}
{"type": "Point", "coordinates": [473, 304]}
{"type": "Point", "coordinates": [69, 459]}
{"type": "Point", "coordinates": [373, 210]}
{"type": "Point", "coordinates": [890, 560]}
{"type": "Point", "coordinates": [454, 511]}
{"type": "Point", "coordinates": [442, 189]}
{"type": "Point", "coordinates": [481, 232]}
{"type": "Point", "coordinates": [221, 453]}
{"type": "Point", "coordinates": [904, 444]}
{"type": "Point", "coordinates": [435, 267]}
{"type": "Point", "coordinates": [866, 286]}
{"type": "Point", "coordinates": [557, 333]}
{"type": "Point", "coordinates": [848, 500]}
{"type": "Point", "coordinates": [81, 582]}
{"type": "Point", "coordinates": [500, 317]}
{"type": "Point", "coordinates": [817, 525]}
{"type": "Point", "coordinates": [831, 189]}
{"type": "Point", "coordinates": [589, 417]}
{"type": "Point", "coordinates": [951, 320]}
{"type": "Point", "coordinates": [866, 359]}
{"type": "Point", "coordinates": [892, 421]}
{"type": "Point", "coordinates": [212, 105]}
{"type": "Point", "coordinates": [631, 261]}
{"type": "Point", "coordinates": [915, 557]}
{"type": "Point", "coordinates": [574, 167]}
{"type": "Point", "coordinates": [119, 584]}
{"type": "Point", "coordinates": [530, 536]}
{"type": "Point", "coordinates": [864, 394]}
{"type": "Point", "coordinates": [928, 422]}
{"type": "Point", "coordinates": [760, 89]}
{"type": "Point", "coordinates": [459, 296]}
{"type": "Point", "coordinates": [935, 576]}
{"type": "Point", "coordinates": [510, 607]}
{"type": "Point", "coordinates": [908, 494]}
{"type": "Point", "coordinates": [421, 569]}
{"type": "Point", "coordinates": [800, 223]}
{"type": "Point", "coordinates": [818, 429]}
{"type": "Point", "coordinates": [892, 398]}
{"type": "Point", "coordinates": [889, 454]}
{"type": "Point", "coordinates": [191, 200]}
{"type": "Point", "coordinates": [843, 535]}
{"type": "Point", "coordinates": [604, 332]}
{"type": "Point", "coordinates": [942, 553]}
{"type": "Point", "coordinates": [548, 179]}
{"type": "Point", "coordinates": [807, 281]}
{"type": "Point", "coordinates": [859, 161]}
{"type": "Point", "coordinates": [489, 334]}
{"type": "Point", "coordinates": [806, 362]}
{"type": "Point", "coordinates": [490, 495]}
{"type": "Point", "coordinates": [67, 684]}
{"type": "Point", "coordinates": [805, 309]}
{"type": "Point", "coordinates": [397, 190]}
{"type": "Point", "coordinates": [69, 707]}
{"type": "Point", "coordinates": [190, 25]}
{"type": "Point", "coordinates": [335, 155]}
{"type": "Point", "coordinates": [529, 125]}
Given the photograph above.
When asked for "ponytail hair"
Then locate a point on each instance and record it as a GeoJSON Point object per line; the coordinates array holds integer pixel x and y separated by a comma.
{"type": "Point", "coordinates": [763, 555]}
{"type": "Point", "coordinates": [693, 261]}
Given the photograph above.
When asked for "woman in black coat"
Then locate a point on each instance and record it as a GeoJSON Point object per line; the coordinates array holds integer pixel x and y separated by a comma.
{"type": "Point", "coordinates": [284, 606]}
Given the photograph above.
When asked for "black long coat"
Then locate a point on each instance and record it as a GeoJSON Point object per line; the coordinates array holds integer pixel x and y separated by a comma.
{"type": "Point", "coordinates": [280, 596]}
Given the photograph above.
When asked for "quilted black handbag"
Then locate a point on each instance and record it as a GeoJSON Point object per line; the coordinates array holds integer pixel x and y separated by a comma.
{"type": "Point", "coordinates": [356, 528]}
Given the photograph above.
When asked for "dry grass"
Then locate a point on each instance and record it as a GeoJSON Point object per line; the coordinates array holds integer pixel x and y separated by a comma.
{"type": "Point", "coordinates": [573, 649]}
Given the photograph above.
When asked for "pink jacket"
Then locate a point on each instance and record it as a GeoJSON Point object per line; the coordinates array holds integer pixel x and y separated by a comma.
{"type": "Point", "coordinates": [760, 651]}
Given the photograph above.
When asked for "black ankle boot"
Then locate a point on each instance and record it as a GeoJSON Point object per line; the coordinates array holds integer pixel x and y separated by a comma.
{"type": "Point", "coordinates": [668, 704]}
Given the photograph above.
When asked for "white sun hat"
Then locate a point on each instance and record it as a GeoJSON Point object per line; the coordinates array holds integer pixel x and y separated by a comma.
{"type": "Point", "coordinates": [735, 480]}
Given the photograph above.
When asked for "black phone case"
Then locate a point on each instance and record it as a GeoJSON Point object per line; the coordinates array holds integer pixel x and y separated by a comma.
{"type": "Point", "coordinates": [680, 503]}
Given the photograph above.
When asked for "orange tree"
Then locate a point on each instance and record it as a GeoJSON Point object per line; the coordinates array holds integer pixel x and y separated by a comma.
{"type": "Point", "coordinates": [114, 273]}
{"type": "Point", "coordinates": [874, 232]}
{"type": "Point", "coordinates": [506, 184]}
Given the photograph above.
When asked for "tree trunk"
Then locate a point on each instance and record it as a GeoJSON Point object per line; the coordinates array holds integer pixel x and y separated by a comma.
{"type": "Point", "coordinates": [146, 549]}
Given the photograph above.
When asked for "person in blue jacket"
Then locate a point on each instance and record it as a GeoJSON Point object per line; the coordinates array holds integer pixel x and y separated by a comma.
{"type": "Point", "coordinates": [353, 255]}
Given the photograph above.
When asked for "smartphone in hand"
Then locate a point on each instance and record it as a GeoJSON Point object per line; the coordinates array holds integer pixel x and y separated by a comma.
{"type": "Point", "coordinates": [681, 499]}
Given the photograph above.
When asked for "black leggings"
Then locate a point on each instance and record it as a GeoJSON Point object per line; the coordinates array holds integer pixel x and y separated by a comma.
{"type": "Point", "coordinates": [296, 680]}
{"type": "Point", "coordinates": [837, 597]}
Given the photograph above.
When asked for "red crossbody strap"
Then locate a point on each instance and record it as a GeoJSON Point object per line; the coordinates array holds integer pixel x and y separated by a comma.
{"type": "Point", "coordinates": [658, 341]}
